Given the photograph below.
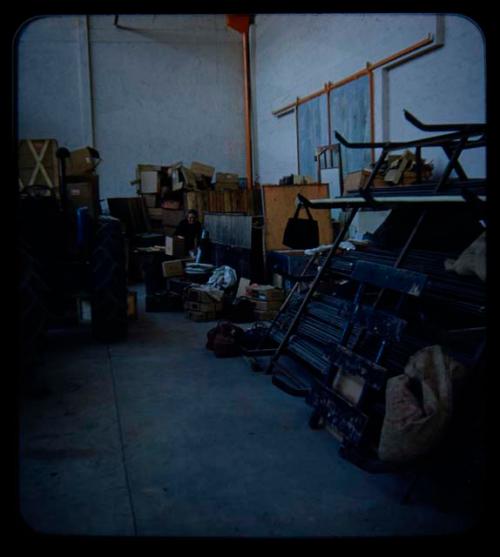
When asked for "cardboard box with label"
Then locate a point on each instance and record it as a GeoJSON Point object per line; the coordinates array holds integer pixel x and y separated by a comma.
{"type": "Point", "coordinates": [174, 246]}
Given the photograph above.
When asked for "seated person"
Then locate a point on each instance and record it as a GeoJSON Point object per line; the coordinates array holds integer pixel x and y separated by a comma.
{"type": "Point", "coordinates": [189, 229]}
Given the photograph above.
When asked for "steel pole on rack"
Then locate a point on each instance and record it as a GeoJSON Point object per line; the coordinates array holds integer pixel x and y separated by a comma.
{"type": "Point", "coordinates": [284, 305]}
{"type": "Point", "coordinates": [309, 293]}
{"type": "Point", "coordinates": [446, 174]}
{"type": "Point", "coordinates": [321, 270]}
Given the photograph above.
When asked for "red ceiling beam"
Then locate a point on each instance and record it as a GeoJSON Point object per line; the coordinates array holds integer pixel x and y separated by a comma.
{"type": "Point", "coordinates": [239, 22]}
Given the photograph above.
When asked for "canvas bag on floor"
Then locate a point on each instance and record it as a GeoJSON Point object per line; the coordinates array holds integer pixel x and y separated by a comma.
{"type": "Point", "coordinates": [419, 405]}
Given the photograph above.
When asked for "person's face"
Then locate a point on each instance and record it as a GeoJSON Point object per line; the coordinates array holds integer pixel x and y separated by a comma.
{"type": "Point", "coordinates": [191, 218]}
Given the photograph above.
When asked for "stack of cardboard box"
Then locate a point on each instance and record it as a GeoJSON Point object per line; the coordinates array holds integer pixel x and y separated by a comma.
{"type": "Point", "coordinates": [396, 170]}
{"type": "Point", "coordinates": [199, 305]}
{"type": "Point", "coordinates": [268, 300]}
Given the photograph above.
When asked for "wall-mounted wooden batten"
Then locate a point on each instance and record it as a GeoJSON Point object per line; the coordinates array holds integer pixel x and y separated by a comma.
{"type": "Point", "coordinates": [365, 71]}
{"type": "Point", "coordinates": [355, 119]}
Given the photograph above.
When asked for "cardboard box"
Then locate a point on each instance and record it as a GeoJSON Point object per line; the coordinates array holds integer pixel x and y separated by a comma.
{"type": "Point", "coordinates": [201, 315]}
{"type": "Point", "coordinates": [155, 213]}
{"type": "Point", "coordinates": [355, 180]}
{"type": "Point", "coordinates": [174, 268]}
{"type": "Point", "coordinates": [170, 217]}
{"type": "Point", "coordinates": [84, 193]}
{"type": "Point", "coordinates": [171, 204]}
{"type": "Point", "coordinates": [174, 245]}
{"type": "Point", "coordinates": [242, 287]}
{"type": "Point", "coordinates": [202, 169]}
{"type": "Point", "coordinates": [149, 181]}
{"type": "Point", "coordinates": [203, 306]}
{"type": "Point", "coordinates": [265, 292]}
{"type": "Point", "coordinates": [182, 177]}
{"type": "Point", "coordinates": [82, 162]}
{"type": "Point", "coordinates": [226, 177]}
{"type": "Point", "coordinates": [169, 230]}
{"type": "Point", "coordinates": [268, 315]}
{"type": "Point", "coordinates": [149, 200]}
{"type": "Point", "coordinates": [268, 305]}
{"type": "Point", "coordinates": [277, 280]}
{"type": "Point", "coordinates": [197, 295]}
{"type": "Point", "coordinates": [28, 153]}
{"type": "Point", "coordinates": [232, 186]}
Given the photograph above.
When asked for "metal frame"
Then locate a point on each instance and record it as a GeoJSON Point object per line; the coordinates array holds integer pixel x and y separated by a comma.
{"type": "Point", "coordinates": [460, 137]}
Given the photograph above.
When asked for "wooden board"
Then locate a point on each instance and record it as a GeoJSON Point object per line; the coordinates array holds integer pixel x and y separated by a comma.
{"type": "Point", "coordinates": [279, 206]}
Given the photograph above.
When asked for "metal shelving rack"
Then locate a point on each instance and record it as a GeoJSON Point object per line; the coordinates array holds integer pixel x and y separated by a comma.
{"type": "Point", "coordinates": [392, 280]}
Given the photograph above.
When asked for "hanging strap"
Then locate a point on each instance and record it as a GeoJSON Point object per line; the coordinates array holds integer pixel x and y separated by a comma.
{"type": "Point", "coordinates": [299, 207]}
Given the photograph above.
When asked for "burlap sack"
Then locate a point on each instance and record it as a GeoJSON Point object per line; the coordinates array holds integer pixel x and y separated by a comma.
{"type": "Point", "coordinates": [419, 405]}
{"type": "Point", "coordinates": [472, 260]}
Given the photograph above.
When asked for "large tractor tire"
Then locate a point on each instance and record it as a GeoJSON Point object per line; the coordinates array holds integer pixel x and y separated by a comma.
{"type": "Point", "coordinates": [109, 281]}
{"type": "Point", "coordinates": [33, 312]}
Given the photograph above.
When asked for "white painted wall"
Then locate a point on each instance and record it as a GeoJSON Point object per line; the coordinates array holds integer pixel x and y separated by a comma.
{"type": "Point", "coordinates": [48, 81]}
{"type": "Point", "coordinates": [296, 54]}
{"type": "Point", "coordinates": [169, 88]}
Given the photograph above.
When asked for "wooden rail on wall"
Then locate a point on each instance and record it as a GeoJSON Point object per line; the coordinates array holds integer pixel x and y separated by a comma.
{"type": "Point", "coordinates": [365, 71]}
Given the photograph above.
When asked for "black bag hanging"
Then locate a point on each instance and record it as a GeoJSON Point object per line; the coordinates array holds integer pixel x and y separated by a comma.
{"type": "Point", "coordinates": [301, 233]}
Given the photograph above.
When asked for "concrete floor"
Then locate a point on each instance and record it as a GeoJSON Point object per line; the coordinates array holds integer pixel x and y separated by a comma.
{"type": "Point", "coordinates": [156, 437]}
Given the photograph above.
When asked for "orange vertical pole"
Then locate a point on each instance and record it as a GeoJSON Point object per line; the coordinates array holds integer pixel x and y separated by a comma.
{"type": "Point", "coordinates": [372, 108]}
{"type": "Point", "coordinates": [247, 100]}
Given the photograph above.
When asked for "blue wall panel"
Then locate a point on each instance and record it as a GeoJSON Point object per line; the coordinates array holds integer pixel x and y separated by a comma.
{"type": "Point", "coordinates": [312, 120]}
{"type": "Point", "coordinates": [350, 116]}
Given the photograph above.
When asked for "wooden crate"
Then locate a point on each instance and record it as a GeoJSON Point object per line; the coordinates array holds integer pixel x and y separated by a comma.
{"type": "Point", "coordinates": [37, 163]}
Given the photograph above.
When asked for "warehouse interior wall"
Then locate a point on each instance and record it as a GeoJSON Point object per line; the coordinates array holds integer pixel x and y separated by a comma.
{"type": "Point", "coordinates": [296, 54]}
{"type": "Point", "coordinates": [154, 89]}
{"type": "Point", "coordinates": [165, 88]}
